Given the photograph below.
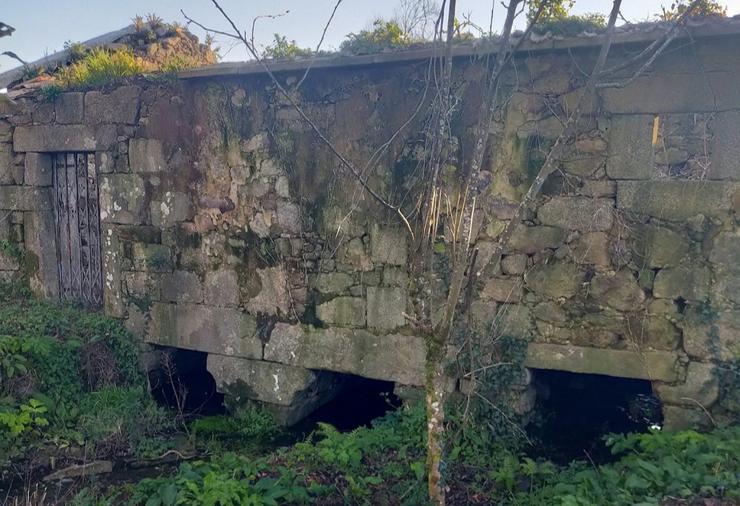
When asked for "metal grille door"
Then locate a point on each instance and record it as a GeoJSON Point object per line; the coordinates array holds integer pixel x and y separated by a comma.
{"type": "Point", "coordinates": [78, 228]}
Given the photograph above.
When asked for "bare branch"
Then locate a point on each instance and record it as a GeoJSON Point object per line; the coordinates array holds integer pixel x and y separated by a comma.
{"type": "Point", "coordinates": [263, 16]}
{"type": "Point", "coordinates": [660, 42]}
{"type": "Point", "coordinates": [343, 160]}
{"type": "Point", "coordinates": [318, 46]}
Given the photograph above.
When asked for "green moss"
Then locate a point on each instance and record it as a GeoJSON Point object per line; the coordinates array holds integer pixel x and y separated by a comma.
{"type": "Point", "coordinates": [159, 259]}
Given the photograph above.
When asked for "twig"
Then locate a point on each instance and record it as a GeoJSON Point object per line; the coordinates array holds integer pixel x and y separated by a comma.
{"type": "Point", "coordinates": [344, 161]}
{"type": "Point", "coordinates": [318, 46]}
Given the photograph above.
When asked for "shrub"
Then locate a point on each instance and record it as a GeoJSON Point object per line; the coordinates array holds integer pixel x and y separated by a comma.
{"type": "Point", "coordinates": [384, 35]}
{"type": "Point", "coordinates": [704, 8]}
{"type": "Point", "coordinates": [572, 25]}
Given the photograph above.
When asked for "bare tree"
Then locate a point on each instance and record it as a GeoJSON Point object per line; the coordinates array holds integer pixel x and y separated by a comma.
{"type": "Point", "coordinates": [416, 17]}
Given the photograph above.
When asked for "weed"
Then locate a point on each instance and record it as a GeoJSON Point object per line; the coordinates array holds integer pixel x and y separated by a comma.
{"type": "Point", "coordinates": [101, 66]}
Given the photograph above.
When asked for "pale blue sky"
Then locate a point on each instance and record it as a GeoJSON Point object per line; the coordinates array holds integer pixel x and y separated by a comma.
{"type": "Point", "coordinates": [43, 25]}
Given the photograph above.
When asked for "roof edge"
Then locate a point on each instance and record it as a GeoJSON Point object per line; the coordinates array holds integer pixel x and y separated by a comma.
{"type": "Point", "coordinates": [698, 29]}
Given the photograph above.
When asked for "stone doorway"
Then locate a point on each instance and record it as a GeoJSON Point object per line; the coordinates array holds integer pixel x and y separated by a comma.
{"type": "Point", "coordinates": [77, 218]}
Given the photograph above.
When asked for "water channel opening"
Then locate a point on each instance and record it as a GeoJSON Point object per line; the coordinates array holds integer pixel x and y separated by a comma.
{"type": "Point", "coordinates": [182, 382]}
{"type": "Point", "coordinates": [575, 411]}
{"type": "Point", "coordinates": [358, 403]}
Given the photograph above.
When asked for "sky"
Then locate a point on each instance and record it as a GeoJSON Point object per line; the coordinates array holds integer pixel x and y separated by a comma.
{"type": "Point", "coordinates": [42, 26]}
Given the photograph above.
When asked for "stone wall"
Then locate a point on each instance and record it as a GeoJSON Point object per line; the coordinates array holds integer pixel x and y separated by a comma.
{"type": "Point", "coordinates": [228, 228]}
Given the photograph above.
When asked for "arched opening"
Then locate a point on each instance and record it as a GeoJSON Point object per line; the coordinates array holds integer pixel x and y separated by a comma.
{"type": "Point", "coordinates": [575, 411]}
{"type": "Point", "coordinates": [359, 401]}
{"type": "Point", "coordinates": [181, 381]}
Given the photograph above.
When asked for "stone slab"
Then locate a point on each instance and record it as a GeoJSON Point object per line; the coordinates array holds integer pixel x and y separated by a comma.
{"type": "Point", "coordinates": [224, 331]}
{"type": "Point", "coordinates": [385, 307]}
{"type": "Point", "coordinates": [146, 155]}
{"type": "Point", "coordinates": [182, 286]}
{"type": "Point", "coordinates": [577, 213]}
{"type": "Point", "coordinates": [40, 240]}
{"type": "Point", "coordinates": [122, 199]}
{"type": "Point", "coordinates": [38, 169]}
{"type": "Point", "coordinates": [664, 92]}
{"type": "Point", "coordinates": [530, 240]}
{"type": "Point", "coordinates": [25, 198]}
{"type": "Point", "coordinates": [649, 365]}
{"type": "Point", "coordinates": [388, 245]}
{"type": "Point", "coordinates": [701, 386]}
{"type": "Point", "coordinates": [119, 106]}
{"type": "Point", "coordinates": [342, 311]}
{"type": "Point", "coordinates": [630, 147]}
{"type": "Point", "coordinates": [689, 282]}
{"type": "Point", "coordinates": [676, 200]}
{"type": "Point", "coordinates": [259, 380]}
{"type": "Point", "coordinates": [391, 357]}
{"type": "Point", "coordinates": [725, 147]}
{"type": "Point", "coordinates": [45, 138]}
{"type": "Point", "coordinates": [69, 108]}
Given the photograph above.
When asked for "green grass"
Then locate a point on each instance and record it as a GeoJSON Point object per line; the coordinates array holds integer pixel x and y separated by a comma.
{"type": "Point", "coordinates": [101, 66]}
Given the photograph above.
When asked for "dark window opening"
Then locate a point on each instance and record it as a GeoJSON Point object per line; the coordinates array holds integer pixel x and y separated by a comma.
{"type": "Point", "coordinates": [575, 412]}
{"type": "Point", "coordinates": [182, 383]}
{"type": "Point", "coordinates": [359, 402]}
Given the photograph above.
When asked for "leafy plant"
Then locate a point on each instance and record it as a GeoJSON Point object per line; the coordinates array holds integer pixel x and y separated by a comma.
{"type": "Point", "coordinates": [572, 25]}
{"type": "Point", "coordinates": [25, 418]}
{"type": "Point", "coordinates": [384, 35]}
{"type": "Point", "coordinates": [704, 8]}
{"type": "Point", "coordinates": [228, 480]}
{"type": "Point", "coordinates": [652, 466]}
{"type": "Point", "coordinates": [70, 377]}
{"type": "Point", "coordinates": [282, 48]}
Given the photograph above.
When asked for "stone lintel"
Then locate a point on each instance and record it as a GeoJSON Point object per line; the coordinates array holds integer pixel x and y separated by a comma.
{"type": "Point", "coordinates": [219, 330]}
{"type": "Point", "coordinates": [648, 365]}
{"type": "Point", "coordinates": [392, 357]}
{"type": "Point", "coordinates": [45, 138]}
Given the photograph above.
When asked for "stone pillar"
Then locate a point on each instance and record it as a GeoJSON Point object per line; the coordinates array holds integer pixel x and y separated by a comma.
{"type": "Point", "coordinates": [41, 251]}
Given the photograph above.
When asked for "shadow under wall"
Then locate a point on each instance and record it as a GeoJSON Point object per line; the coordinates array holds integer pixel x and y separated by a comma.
{"type": "Point", "coordinates": [575, 411]}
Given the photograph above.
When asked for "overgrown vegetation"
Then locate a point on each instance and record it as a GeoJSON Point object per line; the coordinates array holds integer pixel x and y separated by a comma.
{"type": "Point", "coordinates": [383, 36]}
{"type": "Point", "coordinates": [100, 66]}
{"type": "Point", "coordinates": [154, 48]}
{"type": "Point", "coordinates": [572, 25]}
{"type": "Point", "coordinates": [69, 378]}
{"type": "Point", "coordinates": [384, 464]}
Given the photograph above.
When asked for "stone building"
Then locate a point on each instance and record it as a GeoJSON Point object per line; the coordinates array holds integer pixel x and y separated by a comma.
{"type": "Point", "coordinates": [224, 226]}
